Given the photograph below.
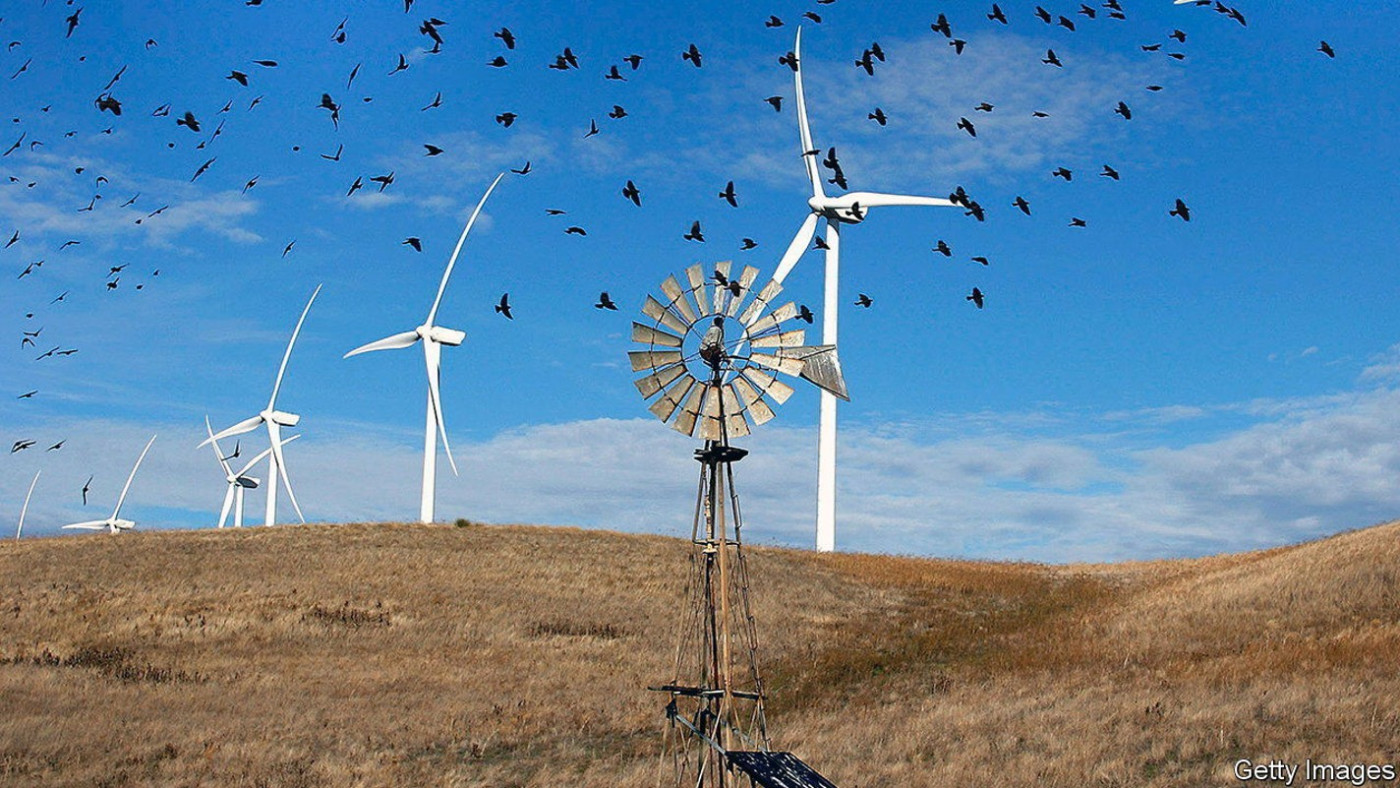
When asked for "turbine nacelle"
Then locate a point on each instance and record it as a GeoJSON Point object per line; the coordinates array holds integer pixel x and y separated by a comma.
{"type": "Point", "coordinates": [246, 482]}
{"type": "Point", "coordinates": [442, 335]}
{"type": "Point", "coordinates": [280, 417]}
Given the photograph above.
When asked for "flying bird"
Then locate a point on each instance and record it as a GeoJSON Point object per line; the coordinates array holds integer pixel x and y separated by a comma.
{"type": "Point", "coordinates": [575, 230]}
{"type": "Point", "coordinates": [1061, 172]}
{"type": "Point", "coordinates": [1075, 221]}
{"type": "Point", "coordinates": [506, 118]}
{"type": "Point", "coordinates": [506, 37]}
{"type": "Point", "coordinates": [1181, 210]}
{"type": "Point", "coordinates": [805, 314]}
{"type": "Point", "coordinates": [288, 248]}
{"type": "Point", "coordinates": [189, 121]}
{"type": "Point", "coordinates": [1050, 59]}
{"type": "Point", "coordinates": [613, 73]}
{"type": "Point", "coordinates": [694, 234]}
{"type": "Point", "coordinates": [434, 104]}
{"type": "Point", "coordinates": [1122, 109]}
{"type": "Point", "coordinates": [996, 15]}
{"type": "Point", "coordinates": [523, 170]}
{"type": "Point", "coordinates": [336, 157]}
{"type": "Point", "coordinates": [356, 186]}
{"type": "Point", "coordinates": [72, 21]}
{"type": "Point", "coordinates": [1109, 172]}
{"type": "Point", "coordinates": [728, 194]}
{"type": "Point", "coordinates": [966, 125]}
{"type": "Point", "coordinates": [21, 445]}
{"type": "Point", "coordinates": [413, 241]}
{"type": "Point", "coordinates": [942, 26]}
{"type": "Point", "coordinates": [631, 192]}
{"type": "Point", "coordinates": [203, 168]}
{"type": "Point", "coordinates": [981, 260]}
{"type": "Point", "coordinates": [504, 306]}
{"type": "Point", "coordinates": [433, 150]}
{"type": "Point", "coordinates": [239, 77]}
{"type": "Point", "coordinates": [772, 22]}
{"type": "Point", "coordinates": [592, 128]}
{"type": "Point", "coordinates": [87, 487]}
{"type": "Point", "coordinates": [943, 248]}
{"type": "Point", "coordinates": [635, 61]}
{"type": "Point", "coordinates": [958, 45]}
{"type": "Point", "coordinates": [878, 116]}
{"type": "Point", "coordinates": [747, 244]}
{"type": "Point", "coordinates": [1021, 203]}
{"type": "Point", "coordinates": [864, 301]}
{"type": "Point", "coordinates": [976, 297]}
{"type": "Point", "coordinates": [693, 55]}
{"type": "Point", "coordinates": [1326, 49]}
{"type": "Point", "coordinates": [604, 302]}
{"type": "Point", "coordinates": [776, 102]}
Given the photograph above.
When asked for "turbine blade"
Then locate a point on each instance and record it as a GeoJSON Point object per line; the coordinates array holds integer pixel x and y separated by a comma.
{"type": "Point", "coordinates": [274, 433]}
{"type": "Point", "coordinates": [217, 451]}
{"type": "Point", "coordinates": [432, 351]}
{"type": "Point", "coordinates": [272, 402]}
{"type": "Point", "coordinates": [797, 247]}
{"type": "Point", "coordinates": [25, 508]}
{"type": "Point", "coordinates": [228, 504]}
{"type": "Point", "coordinates": [879, 199]}
{"type": "Point", "coordinates": [432, 313]}
{"type": "Point", "coordinates": [131, 476]}
{"type": "Point", "coordinates": [406, 339]}
{"type": "Point", "coordinates": [247, 425]}
{"type": "Point", "coordinates": [263, 455]}
{"type": "Point", "coordinates": [89, 525]}
{"type": "Point", "coordinates": [808, 159]}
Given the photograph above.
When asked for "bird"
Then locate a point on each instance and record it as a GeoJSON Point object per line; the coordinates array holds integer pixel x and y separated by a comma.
{"type": "Point", "coordinates": [981, 260]}
{"type": "Point", "coordinates": [554, 211]}
{"type": "Point", "coordinates": [575, 231]}
{"type": "Point", "coordinates": [433, 150]}
{"type": "Point", "coordinates": [617, 113]}
{"type": "Point", "coordinates": [604, 302]}
{"type": "Point", "coordinates": [878, 116]}
{"type": "Point", "coordinates": [1178, 35]}
{"type": "Point", "coordinates": [635, 61]}
{"type": "Point", "coordinates": [1109, 172]}
{"type": "Point", "coordinates": [1039, 114]}
{"type": "Point", "coordinates": [819, 243]}
{"type": "Point", "coordinates": [1062, 172]}
{"type": "Point", "coordinates": [87, 487]}
{"type": "Point", "coordinates": [1075, 221]}
{"type": "Point", "coordinates": [812, 15]}
{"type": "Point", "coordinates": [434, 104]}
{"type": "Point", "coordinates": [957, 44]}
{"type": "Point", "coordinates": [694, 234]}
{"type": "Point", "coordinates": [866, 62]}
{"type": "Point", "coordinates": [592, 128]}
{"type": "Point", "coordinates": [1021, 203]}
{"type": "Point", "coordinates": [336, 157]}
{"type": "Point", "coordinates": [804, 314]}
{"type": "Point", "coordinates": [1051, 60]}
{"type": "Point", "coordinates": [996, 15]}
{"type": "Point", "coordinates": [266, 63]}
{"type": "Point", "coordinates": [498, 61]}
{"type": "Point", "coordinates": [13, 240]}
{"type": "Point", "coordinates": [57, 446]}
{"type": "Point", "coordinates": [776, 102]}
{"type": "Point", "coordinates": [693, 55]}
{"type": "Point", "coordinates": [1150, 47]}
{"type": "Point", "coordinates": [613, 73]}
{"type": "Point", "coordinates": [523, 170]}
{"type": "Point", "coordinates": [28, 394]}
{"type": "Point", "coordinates": [506, 118]}
{"type": "Point", "coordinates": [383, 180]}
{"type": "Point", "coordinates": [21, 445]}
{"type": "Point", "coordinates": [631, 192]}
{"type": "Point", "coordinates": [942, 26]}
{"type": "Point", "coordinates": [747, 244]}
{"type": "Point", "coordinates": [1122, 109]}
{"type": "Point", "coordinates": [966, 125]}
{"type": "Point", "coordinates": [354, 72]}
{"type": "Point", "coordinates": [1066, 23]}
{"type": "Point", "coordinates": [1181, 210]}
{"type": "Point", "coordinates": [877, 51]}
{"type": "Point", "coordinates": [189, 121]}
{"type": "Point", "coordinates": [250, 184]}
{"type": "Point", "coordinates": [203, 168]}
{"type": "Point", "coordinates": [506, 37]}
{"type": "Point", "coordinates": [288, 248]}
{"type": "Point", "coordinates": [239, 77]}
{"type": "Point", "coordinates": [1326, 49]}
{"type": "Point", "coordinates": [772, 22]}
{"type": "Point", "coordinates": [413, 241]}
{"type": "Point", "coordinates": [72, 21]}
{"type": "Point", "coordinates": [356, 186]}
{"type": "Point", "coordinates": [789, 60]}
{"type": "Point", "coordinates": [976, 297]}
{"type": "Point", "coordinates": [728, 194]}
{"type": "Point", "coordinates": [984, 107]}
{"type": "Point", "coordinates": [864, 301]}
{"type": "Point", "coordinates": [1087, 11]}
{"type": "Point", "coordinates": [943, 248]}
{"type": "Point", "coordinates": [504, 306]}
{"type": "Point", "coordinates": [402, 66]}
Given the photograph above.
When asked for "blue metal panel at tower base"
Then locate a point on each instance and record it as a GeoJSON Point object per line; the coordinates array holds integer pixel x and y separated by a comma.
{"type": "Point", "coordinates": [777, 770]}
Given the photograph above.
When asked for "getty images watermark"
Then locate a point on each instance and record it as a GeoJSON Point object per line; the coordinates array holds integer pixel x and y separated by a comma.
{"type": "Point", "coordinates": [1277, 771]}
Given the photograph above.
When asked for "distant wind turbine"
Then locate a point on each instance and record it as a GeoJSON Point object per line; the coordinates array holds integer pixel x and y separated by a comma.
{"type": "Point", "coordinates": [114, 523]}
{"type": "Point", "coordinates": [275, 421]}
{"type": "Point", "coordinates": [237, 482]}
{"type": "Point", "coordinates": [25, 508]}
{"type": "Point", "coordinates": [433, 338]}
{"type": "Point", "coordinates": [849, 208]}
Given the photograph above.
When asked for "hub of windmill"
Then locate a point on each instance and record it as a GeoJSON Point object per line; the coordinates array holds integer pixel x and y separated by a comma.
{"type": "Point", "coordinates": [718, 453]}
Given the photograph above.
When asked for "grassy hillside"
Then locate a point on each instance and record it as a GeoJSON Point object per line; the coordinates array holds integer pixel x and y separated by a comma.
{"type": "Point", "coordinates": [518, 656]}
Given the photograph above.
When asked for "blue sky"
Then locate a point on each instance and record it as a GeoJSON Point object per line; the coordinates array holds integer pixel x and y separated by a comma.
{"type": "Point", "coordinates": [1139, 387]}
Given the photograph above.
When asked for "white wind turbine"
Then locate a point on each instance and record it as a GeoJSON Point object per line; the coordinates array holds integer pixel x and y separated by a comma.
{"type": "Point", "coordinates": [114, 524]}
{"type": "Point", "coordinates": [849, 208]}
{"type": "Point", "coordinates": [237, 482]}
{"type": "Point", "coordinates": [275, 421]}
{"type": "Point", "coordinates": [25, 508]}
{"type": "Point", "coordinates": [433, 338]}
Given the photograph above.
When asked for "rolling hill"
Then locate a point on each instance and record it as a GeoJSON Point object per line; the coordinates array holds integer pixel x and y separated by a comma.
{"type": "Point", "coordinates": [378, 654]}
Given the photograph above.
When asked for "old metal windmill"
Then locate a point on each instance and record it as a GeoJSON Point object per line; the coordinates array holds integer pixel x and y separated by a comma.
{"type": "Point", "coordinates": [713, 350]}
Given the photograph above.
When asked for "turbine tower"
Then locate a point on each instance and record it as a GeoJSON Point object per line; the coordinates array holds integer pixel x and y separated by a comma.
{"type": "Point", "coordinates": [433, 338]}
{"type": "Point", "coordinates": [237, 482]}
{"type": "Point", "coordinates": [114, 523]}
{"type": "Point", "coordinates": [275, 421]}
{"type": "Point", "coordinates": [834, 210]}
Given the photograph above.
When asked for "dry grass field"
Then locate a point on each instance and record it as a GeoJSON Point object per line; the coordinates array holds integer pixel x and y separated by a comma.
{"type": "Point", "coordinates": [406, 655]}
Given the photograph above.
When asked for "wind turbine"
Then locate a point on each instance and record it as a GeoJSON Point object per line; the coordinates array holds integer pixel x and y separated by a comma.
{"type": "Point", "coordinates": [114, 524]}
{"type": "Point", "coordinates": [433, 338]}
{"type": "Point", "coordinates": [275, 421]}
{"type": "Point", "coordinates": [834, 210]}
{"type": "Point", "coordinates": [237, 482]}
{"type": "Point", "coordinates": [25, 508]}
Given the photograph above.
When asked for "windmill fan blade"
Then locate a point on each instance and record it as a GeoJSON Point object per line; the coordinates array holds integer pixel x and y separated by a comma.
{"type": "Point", "coordinates": [752, 401]}
{"type": "Point", "coordinates": [122, 498]}
{"type": "Point", "coordinates": [658, 380]}
{"type": "Point", "coordinates": [877, 200]}
{"type": "Point", "coordinates": [405, 339]}
{"type": "Point", "coordinates": [676, 293]}
{"type": "Point", "coordinates": [769, 385]}
{"type": "Point", "coordinates": [219, 453]}
{"type": "Point", "coordinates": [771, 321]}
{"type": "Point", "coordinates": [797, 247]}
{"type": "Point", "coordinates": [804, 129]}
{"type": "Point", "coordinates": [690, 410]}
{"type": "Point", "coordinates": [653, 336]}
{"type": "Point", "coordinates": [782, 363]}
{"type": "Point", "coordinates": [664, 407]}
{"type": "Point", "coordinates": [696, 275]}
{"type": "Point", "coordinates": [274, 433]}
{"type": "Point", "coordinates": [653, 359]}
{"type": "Point", "coordinates": [89, 525]}
{"type": "Point", "coordinates": [755, 309]}
{"type": "Point", "coordinates": [721, 293]}
{"type": "Point", "coordinates": [734, 424]}
{"type": "Point", "coordinates": [262, 455]}
{"type": "Point", "coordinates": [787, 339]}
{"type": "Point", "coordinates": [272, 401]}
{"type": "Point", "coordinates": [228, 504]}
{"type": "Point", "coordinates": [821, 366]}
{"type": "Point", "coordinates": [746, 280]}
{"type": "Point", "coordinates": [432, 351]}
{"type": "Point", "coordinates": [247, 425]}
{"type": "Point", "coordinates": [432, 313]}
{"type": "Point", "coordinates": [664, 316]}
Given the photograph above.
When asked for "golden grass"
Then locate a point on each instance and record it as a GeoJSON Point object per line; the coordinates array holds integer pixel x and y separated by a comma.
{"type": "Point", "coordinates": [377, 655]}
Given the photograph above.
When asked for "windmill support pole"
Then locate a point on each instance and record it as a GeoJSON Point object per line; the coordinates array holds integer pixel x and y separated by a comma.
{"type": "Point", "coordinates": [826, 442]}
{"type": "Point", "coordinates": [271, 518]}
{"type": "Point", "coordinates": [425, 508]}
{"type": "Point", "coordinates": [237, 508]}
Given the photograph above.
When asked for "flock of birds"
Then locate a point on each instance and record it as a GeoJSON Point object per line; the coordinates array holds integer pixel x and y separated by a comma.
{"type": "Point", "coordinates": [200, 130]}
